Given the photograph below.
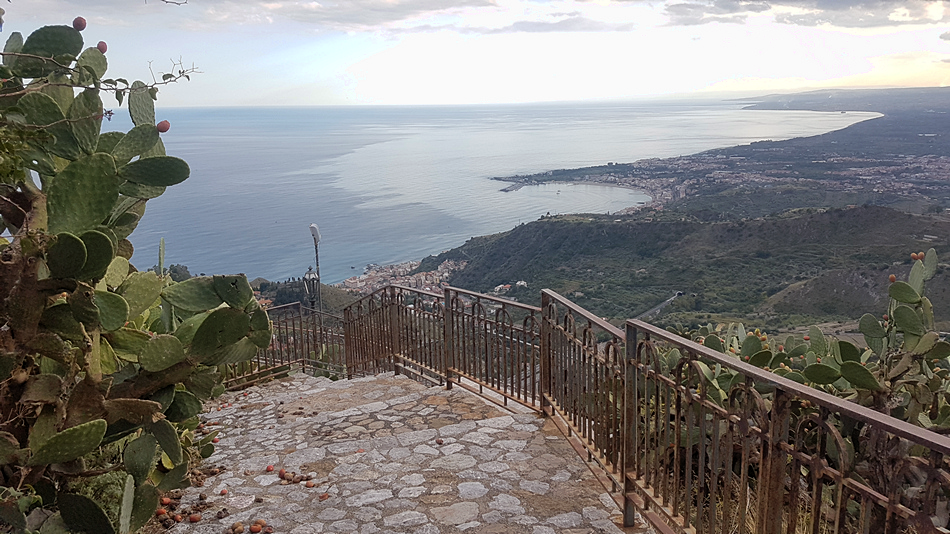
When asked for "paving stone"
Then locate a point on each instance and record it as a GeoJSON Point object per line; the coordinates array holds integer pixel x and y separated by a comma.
{"type": "Point", "coordinates": [406, 519]}
{"type": "Point", "coordinates": [458, 513]}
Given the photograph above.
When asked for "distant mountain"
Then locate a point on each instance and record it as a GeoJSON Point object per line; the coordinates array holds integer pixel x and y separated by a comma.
{"type": "Point", "coordinates": [802, 266]}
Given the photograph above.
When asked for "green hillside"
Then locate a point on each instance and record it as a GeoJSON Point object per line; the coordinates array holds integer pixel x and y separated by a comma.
{"type": "Point", "coordinates": [800, 267]}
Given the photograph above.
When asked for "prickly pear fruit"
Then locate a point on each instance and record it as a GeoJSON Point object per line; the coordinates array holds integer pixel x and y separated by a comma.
{"type": "Point", "coordinates": [163, 126]}
{"type": "Point", "coordinates": [79, 24]}
{"type": "Point", "coordinates": [102, 47]}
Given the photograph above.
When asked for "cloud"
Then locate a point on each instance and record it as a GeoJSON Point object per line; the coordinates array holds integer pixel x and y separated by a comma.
{"type": "Point", "coordinates": [840, 13]}
{"type": "Point", "coordinates": [945, 36]}
{"type": "Point", "coordinates": [357, 14]}
{"type": "Point", "coordinates": [729, 11]}
{"type": "Point", "coordinates": [569, 24]}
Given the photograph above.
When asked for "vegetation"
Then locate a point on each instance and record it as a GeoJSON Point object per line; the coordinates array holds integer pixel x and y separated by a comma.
{"type": "Point", "coordinates": [794, 269]}
{"type": "Point", "coordinates": [902, 371]}
{"type": "Point", "coordinates": [103, 367]}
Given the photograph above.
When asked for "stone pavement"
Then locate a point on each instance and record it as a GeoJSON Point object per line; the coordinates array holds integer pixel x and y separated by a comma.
{"type": "Point", "coordinates": [389, 455]}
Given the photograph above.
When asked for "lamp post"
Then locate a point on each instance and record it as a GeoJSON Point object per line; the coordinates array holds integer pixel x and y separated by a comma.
{"type": "Point", "coordinates": [311, 283]}
{"type": "Point", "coordinates": [315, 289]}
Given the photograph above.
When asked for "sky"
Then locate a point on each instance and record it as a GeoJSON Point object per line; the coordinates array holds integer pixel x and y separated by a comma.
{"type": "Point", "coordinates": [408, 52]}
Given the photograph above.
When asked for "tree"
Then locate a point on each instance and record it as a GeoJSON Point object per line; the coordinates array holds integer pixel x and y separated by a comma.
{"type": "Point", "coordinates": [98, 360]}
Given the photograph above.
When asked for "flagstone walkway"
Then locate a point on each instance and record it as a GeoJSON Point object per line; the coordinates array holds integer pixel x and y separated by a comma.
{"type": "Point", "coordinates": [386, 454]}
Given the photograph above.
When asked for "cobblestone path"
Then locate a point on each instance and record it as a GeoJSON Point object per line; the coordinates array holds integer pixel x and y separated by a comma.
{"type": "Point", "coordinates": [388, 455]}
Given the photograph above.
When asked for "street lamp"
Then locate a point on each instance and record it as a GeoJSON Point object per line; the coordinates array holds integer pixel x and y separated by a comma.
{"type": "Point", "coordinates": [311, 283]}
{"type": "Point", "coordinates": [313, 286]}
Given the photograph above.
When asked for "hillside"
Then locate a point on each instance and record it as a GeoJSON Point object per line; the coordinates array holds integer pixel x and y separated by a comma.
{"type": "Point", "coordinates": [800, 267]}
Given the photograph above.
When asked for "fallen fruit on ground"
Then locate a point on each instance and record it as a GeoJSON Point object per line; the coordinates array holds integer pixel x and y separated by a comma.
{"type": "Point", "coordinates": [194, 518]}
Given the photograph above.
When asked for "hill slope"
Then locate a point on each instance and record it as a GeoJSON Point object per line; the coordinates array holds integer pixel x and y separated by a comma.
{"type": "Point", "coordinates": [801, 267]}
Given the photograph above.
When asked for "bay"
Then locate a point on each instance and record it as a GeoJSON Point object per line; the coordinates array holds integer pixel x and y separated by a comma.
{"type": "Point", "coordinates": [389, 184]}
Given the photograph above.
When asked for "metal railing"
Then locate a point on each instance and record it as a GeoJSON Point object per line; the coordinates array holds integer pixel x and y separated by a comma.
{"type": "Point", "coordinates": [303, 339]}
{"type": "Point", "coordinates": [770, 456]}
{"type": "Point", "coordinates": [759, 454]}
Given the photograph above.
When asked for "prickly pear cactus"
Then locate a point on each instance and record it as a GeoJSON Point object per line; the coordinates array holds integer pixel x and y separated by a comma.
{"type": "Point", "coordinates": [94, 354]}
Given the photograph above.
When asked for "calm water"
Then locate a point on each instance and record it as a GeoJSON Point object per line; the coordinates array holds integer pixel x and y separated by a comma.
{"type": "Point", "coordinates": [388, 184]}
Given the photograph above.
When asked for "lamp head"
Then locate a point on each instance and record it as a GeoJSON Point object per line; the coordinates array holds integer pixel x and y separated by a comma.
{"type": "Point", "coordinates": [315, 232]}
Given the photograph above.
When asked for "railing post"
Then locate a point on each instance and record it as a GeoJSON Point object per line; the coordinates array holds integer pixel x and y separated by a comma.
{"type": "Point", "coordinates": [630, 402]}
{"type": "Point", "coordinates": [448, 337]}
{"type": "Point", "coordinates": [393, 320]}
{"type": "Point", "coordinates": [772, 489]}
{"type": "Point", "coordinates": [545, 352]}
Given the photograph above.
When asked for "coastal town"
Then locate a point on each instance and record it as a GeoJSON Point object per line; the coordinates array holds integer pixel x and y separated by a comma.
{"type": "Point", "coordinates": [764, 165]}
{"type": "Point", "coordinates": [377, 276]}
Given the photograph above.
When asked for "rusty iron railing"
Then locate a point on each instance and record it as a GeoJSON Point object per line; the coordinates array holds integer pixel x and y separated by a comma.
{"type": "Point", "coordinates": [303, 338]}
{"type": "Point", "coordinates": [493, 343]}
{"type": "Point", "coordinates": [770, 456]}
{"type": "Point", "coordinates": [765, 456]}
{"type": "Point", "coordinates": [583, 380]}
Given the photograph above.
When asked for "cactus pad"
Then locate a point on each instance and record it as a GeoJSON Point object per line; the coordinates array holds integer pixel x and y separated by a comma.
{"type": "Point", "coordinates": [750, 346]}
{"type": "Point", "coordinates": [175, 478]}
{"type": "Point", "coordinates": [761, 358]}
{"type": "Point", "coordinates": [82, 514]}
{"type": "Point", "coordinates": [82, 305]}
{"type": "Point", "coordinates": [145, 192]}
{"type": "Point", "coordinates": [820, 373]}
{"type": "Point", "coordinates": [95, 60]}
{"type": "Point", "coordinates": [99, 254]}
{"type": "Point", "coordinates": [128, 343]}
{"type": "Point", "coordinates": [137, 141]}
{"type": "Point", "coordinates": [70, 443]}
{"type": "Point", "coordinates": [59, 319]}
{"type": "Point", "coordinates": [220, 329]}
{"type": "Point", "coordinates": [66, 256]}
{"type": "Point", "coordinates": [158, 149]}
{"type": "Point", "coordinates": [903, 292]}
{"type": "Point", "coordinates": [164, 397]}
{"type": "Point", "coordinates": [113, 310]}
{"type": "Point", "coordinates": [202, 382]}
{"type": "Point", "coordinates": [908, 321]}
{"type": "Point", "coordinates": [83, 194]}
{"type": "Point", "coordinates": [137, 411]}
{"type": "Point", "coordinates": [870, 327]}
{"type": "Point", "coordinates": [167, 437]}
{"type": "Point", "coordinates": [186, 330]}
{"type": "Point", "coordinates": [234, 290]}
{"type": "Point", "coordinates": [140, 290]}
{"type": "Point", "coordinates": [9, 448]}
{"type": "Point", "coordinates": [42, 388]}
{"type": "Point", "coordinates": [185, 406]}
{"type": "Point", "coordinates": [108, 141]}
{"type": "Point", "coordinates": [47, 42]}
{"type": "Point", "coordinates": [85, 116]}
{"type": "Point", "coordinates": [859, 376]}
{"type": "Point", "coordinates": [161, 352]}
{"type": "Point", "coordinates": [144, 504]}
{"type": "Point", "coordinates": [62, 94]}
{"type": "Point", "coordinates": [195, 294]}
{"type": "Point", "coordinates": [241, 351]}
{"type": "Point", "coordinates": [157, 171]}
{"type": "Point", "coordinates": [139, 457]}
{"type": "Point", "coordinates": [41, 110]}
{"type": "Point", "coordinates": [128, 501]}
{"type": "Point", "coordinates": [141, 105]}
{"type": "Point", "coordinates": [117, 272]}
{"type": "Point", "coordinates": [848, 352]}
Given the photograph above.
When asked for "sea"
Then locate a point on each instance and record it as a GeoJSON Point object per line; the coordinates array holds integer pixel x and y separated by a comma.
{"type": "Point", "coordinates": [392, 184]}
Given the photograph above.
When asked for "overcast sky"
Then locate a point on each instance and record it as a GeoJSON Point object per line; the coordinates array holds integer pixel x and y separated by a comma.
{"type": "Point", "coordinates": [287, 52]}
